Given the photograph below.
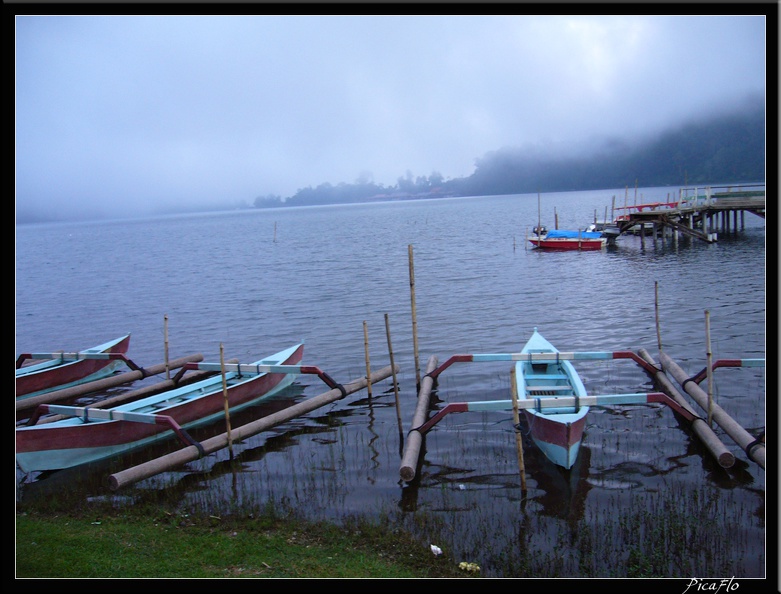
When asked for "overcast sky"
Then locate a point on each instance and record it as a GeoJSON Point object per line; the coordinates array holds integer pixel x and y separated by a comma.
{"type": "Point", "coordinates": [130, 114]}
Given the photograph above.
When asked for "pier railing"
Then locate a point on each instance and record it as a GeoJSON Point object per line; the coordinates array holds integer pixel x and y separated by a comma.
{"type": "Point", "coordinates": [695, 206]}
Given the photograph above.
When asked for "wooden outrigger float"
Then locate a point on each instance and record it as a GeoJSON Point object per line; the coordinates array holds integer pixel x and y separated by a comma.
{"type": "Point", "coordinates": [752, 446]}
{"type": "Point", "coordinates": [193, 452]}
{"type": "Point", "coordinates": [563, 397]}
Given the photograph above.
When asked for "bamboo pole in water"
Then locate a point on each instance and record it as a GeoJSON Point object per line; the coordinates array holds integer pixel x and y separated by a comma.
{"type": "Point", "coordinates": [190, 453]}
{"type": "Point", "coordinates": [225, 402]}
{"type": "Point", "coordinates": [409, 461]}
{"type": "Point", "coordinates": [656, 309]}
{"type": "Point", "coordinates": [414, 314]}
{"type": "Point", "coordinates": [712, 443]}
{"type": "Point", "coordinates": [518, 436]}
{"type": "Point", "coordinates": [366, 353]}
{"type": "Point", "coordinates": [709, 358]}
{"type": "Point", "coordinates": [755, 449]}
{"type": "Point", "coordinates": [102, 384]}
{"type": "Point", "coordinates": [539, 216]}
{"type": "Point", "coordinates": [165, 332]}
{"type": "Point", "coordinates": [393, 366]}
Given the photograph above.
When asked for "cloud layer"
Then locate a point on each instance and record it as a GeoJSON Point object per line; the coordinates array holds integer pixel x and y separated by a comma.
{"type": "Point", "coordinates": [118, 116]}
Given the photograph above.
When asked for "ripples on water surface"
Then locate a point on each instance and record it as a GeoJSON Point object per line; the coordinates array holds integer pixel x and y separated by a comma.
{"type": "Point", "coordinates": [257, 282]}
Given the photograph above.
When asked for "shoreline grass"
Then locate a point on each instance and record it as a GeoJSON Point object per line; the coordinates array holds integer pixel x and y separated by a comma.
{"type": "Point", "coordinates": [122, 543]}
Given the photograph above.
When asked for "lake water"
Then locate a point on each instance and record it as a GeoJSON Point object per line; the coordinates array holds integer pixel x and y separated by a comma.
{"type": "Point", "coordinates": [256, 282]}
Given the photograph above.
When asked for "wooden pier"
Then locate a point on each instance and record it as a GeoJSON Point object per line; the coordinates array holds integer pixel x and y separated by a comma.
{"type": "Point", "coordinates": [699, 212]}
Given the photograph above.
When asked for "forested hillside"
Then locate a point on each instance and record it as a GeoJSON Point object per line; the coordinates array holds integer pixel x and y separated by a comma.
{"type": "Point", "coordinates": [724, 149]}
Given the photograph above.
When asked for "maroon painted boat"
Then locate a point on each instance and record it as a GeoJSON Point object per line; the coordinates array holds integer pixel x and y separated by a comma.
{"type": "Point", "coordinates": [90, 434]}
{"type": "Point", "coordinates": [60, 370]}
{"type": "Point", "coordinates": [569, 240]}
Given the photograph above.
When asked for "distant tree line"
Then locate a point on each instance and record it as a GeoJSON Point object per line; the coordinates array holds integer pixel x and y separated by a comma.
{"type": "Point", "coordinates": [728, 148]}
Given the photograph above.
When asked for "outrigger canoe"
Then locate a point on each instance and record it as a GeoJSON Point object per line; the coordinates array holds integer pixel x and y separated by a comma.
{"type": "Point", "coordinates": [557, 431]}
{"type": "Point", "coordinates": [90, 434]}
{"type": "Point", "coordinates": [548, 390]}
{"type": "Point", "coordinates": [62, 370]}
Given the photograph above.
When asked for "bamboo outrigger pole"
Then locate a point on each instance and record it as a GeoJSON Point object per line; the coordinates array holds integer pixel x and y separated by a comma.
{"type": "Point", "coordinates": [103, 384]}
{"type": "Point", "coordinates": [711, 441]}
{"type": "Point", "coordinates": [754, 448]}
{"type": "Point", "coordinates": [409, 461]}
{"type": "Point", "coordinates": [190, 453]}
{"type": "Point", "coordinates": [157, 388]}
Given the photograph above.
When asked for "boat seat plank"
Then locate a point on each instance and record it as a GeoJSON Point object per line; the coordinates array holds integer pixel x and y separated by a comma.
{"type": "Point", "coordinates": [562, 388]}
{"type": "Point", "coordinates": [545, 376]}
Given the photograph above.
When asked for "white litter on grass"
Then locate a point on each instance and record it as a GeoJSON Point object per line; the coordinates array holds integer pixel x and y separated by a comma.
{"type": "Point", "coordinates": [436, 550]}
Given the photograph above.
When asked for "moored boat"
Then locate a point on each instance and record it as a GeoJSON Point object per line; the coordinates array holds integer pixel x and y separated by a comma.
{"type": "Point", "coordinates": [61, 370]}
{"type": "Point", "coordinates": [91, 434]}
{"type": "Point", "coordinates": [560, 239]}
{"type": "Point", "coordinates": [547, 388]}
{"type": "Point", "coordinates": [558, 431]}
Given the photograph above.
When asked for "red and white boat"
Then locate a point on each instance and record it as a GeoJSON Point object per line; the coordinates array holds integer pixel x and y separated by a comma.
{"type": "Point", "coordinates": [90, 434]}
{"type": "Point", "coordinates": [549, 391]}
{"type": "Point", "coordinates": [60, 370]}
{"type": "Point", "coordinates": [559, 239]}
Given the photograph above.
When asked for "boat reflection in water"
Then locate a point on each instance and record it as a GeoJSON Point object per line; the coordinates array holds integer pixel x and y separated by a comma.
{"type": "Point", "coordinates": [551, 490]}
{"type": "Point", "coordinates": [560, 493]}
